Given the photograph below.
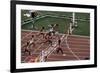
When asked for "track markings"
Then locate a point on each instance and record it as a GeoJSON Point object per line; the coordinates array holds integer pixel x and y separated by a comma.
{"type": "Point", "coordinates": [26, 36]}
{"type": "Point", "coordinates": [71, 49]}
{"type": "Point", "coordinates": [68, 47]}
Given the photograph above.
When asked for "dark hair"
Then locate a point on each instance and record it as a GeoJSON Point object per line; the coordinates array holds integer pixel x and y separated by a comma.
{"type": "Point", "coordinates": [52, 25]}
{"type": "Point", "coordinates": [27, 43]}
{"type": "Point", "coordinates": [43, 27]}
{"type": "Point", "coordinates": [57, 24]}
{"type": "Point", "coordinates": [32, 35]}
{"type": "Point", "coordinates": [49, 34]}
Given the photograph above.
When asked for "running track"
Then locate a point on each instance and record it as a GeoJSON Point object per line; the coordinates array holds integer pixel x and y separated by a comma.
{"type": "Point", "coordinates": [74, 48]}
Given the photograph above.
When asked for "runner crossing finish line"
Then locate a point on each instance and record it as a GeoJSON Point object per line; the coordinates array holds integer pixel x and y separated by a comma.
{"type": "Point", "coordinates": [43, 55]}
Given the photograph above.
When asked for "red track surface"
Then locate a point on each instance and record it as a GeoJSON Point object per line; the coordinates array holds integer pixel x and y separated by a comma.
{"type": "Point", "coordinates": [76, 48]}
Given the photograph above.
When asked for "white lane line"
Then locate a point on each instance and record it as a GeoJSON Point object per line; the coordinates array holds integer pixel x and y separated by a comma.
{"type": "Point", "coordinates": [34, 42]}
{"type": "Point", "coordinates": [87, 37]}
{"type": "Point", "coordinates": [56, 45]}
{"type": "Point", "coordinates": [26, 36]}
{"type": "Point", "coordinates": [71, 49]}
{"type": "Point", "coordinates": [51, 47]}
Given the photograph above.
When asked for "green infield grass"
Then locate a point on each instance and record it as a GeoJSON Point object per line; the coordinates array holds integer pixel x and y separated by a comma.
{"type": "Point", "coordinates": [45, 18]}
